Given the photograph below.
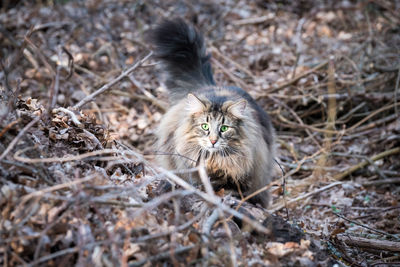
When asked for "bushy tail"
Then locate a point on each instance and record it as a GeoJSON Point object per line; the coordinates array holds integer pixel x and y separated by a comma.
{"type": "Point", "coordinates": [181, 49]}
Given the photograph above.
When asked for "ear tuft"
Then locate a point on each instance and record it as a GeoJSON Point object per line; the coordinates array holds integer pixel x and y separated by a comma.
{"type": "Point", "coordinates": [194, 104]}
{"type": "Point", "coordinates": [237, 109]}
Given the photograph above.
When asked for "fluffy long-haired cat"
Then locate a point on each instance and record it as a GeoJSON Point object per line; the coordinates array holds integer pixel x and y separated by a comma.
{"type": "Point", "coordinates": [221, 125]}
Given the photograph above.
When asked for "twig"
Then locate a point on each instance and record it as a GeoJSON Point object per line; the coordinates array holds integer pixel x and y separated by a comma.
{"type": "Point", "coordinates": [161, 199]}
{"type": "Point", "coordinates": [232, 251]}
{"type": "Point", "coordinates": [286, 84]}
{"type": "Point", "coordinates": [215, 201]}
{"type": "Point", "coordinates": [21, 48]}
{"type": "Point", "coordinates": [8, 127]}
{"type": "Point", "coordinates": [378, 171]}
{"type": "Point", "coordinates": [293, 171]}
{"type": "Point", "coordinates": [47, 228]}
{"type": "Point", "coordinates": [208, 224]}
{"type": "Point", "coordinates": [54, 89]}
{"type": "Point", "coordinates": [382, 181]}
{"type": "Point", "coordinates": [221, 17]}
{"type": "Point", "coordinates": [230, 75]}
{"type": "Point", "coordinates": [294, 125]}
{"type": "Point", "coordinates": [25, 167]}
{"type": "Point", "coordinates": [56, 24]}
{"type": "Point", "coordinates": [372, 115]}
{"type": "Point", "coordinates": [396, 89]}
{"type": "Point", "coordinates": [364, 163]}
{"type": "Point", "coordinates": [348, 115]}
{"type": "Point", "coordinates": [177, 229]}
{"type": "Point", "coordinates": [298, 119]}
{"type": "Point", "coordinates": [307, 195]}
{"type": "Point", "coordinates": [16, 139]}
{"type": "Point", "coordinates": [111, 83]}
{"type": "Point", "coordinates": [332, 112]}
{"type": "Point", "coordinates": [116, 203]}
{"type": "Point", "coordinates": [161, 256]}
{"type": "Point", "coordinates": [365, 226]}
{"type": "Point", "coordinates": [41, 56]}
{"type": "Point", "coordinates": [297, 40]}
{"type": "Point", "coordinates": [159, 104]}
{"type": "Point", "coordinates": [237, 65]}
{"type": "Point", "coordinates": [161, 153]}
{"type": "Point", "coordinates": [256, 20]}
{"type": "Point", "coordinates": [385, 261]}
{"type": "Point", "coordinates": [377, 123]}
{"type": "Point", "coordinates": [374, 212]}
{"type": "Point", "coordinates": [70, 114]}
{"type": "Point", "coordinates": [205, 180]}
{"type": "Point", "coordinates": [216, 213]}
{"type": "Point", "coordinates": [139, 86]}
{"type": "Point", "coordinates": [65, 159]}
{"type": "Point", "coordinates": [54, 188]}
{"type": "Point", "coordinates": [71, 64]}
{"type": "Point", "coordinates": [22, 217]}
{"type": "Point", "coordinates": [63, 252]}
{"type": "Point", "coordinates": [377, 209]}
{"type": "Point", "coordinates": [15, 255]}
{"type": "Point", "coordinates": [93, 138]}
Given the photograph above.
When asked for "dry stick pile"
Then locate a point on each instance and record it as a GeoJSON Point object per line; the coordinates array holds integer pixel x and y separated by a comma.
{"type": "Point", "coordinates": [70, 194]}
{"type": "Point", "coordinates": [120, 155]}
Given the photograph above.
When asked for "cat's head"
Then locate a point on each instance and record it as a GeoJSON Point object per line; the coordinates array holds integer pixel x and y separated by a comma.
{"type": "Point", "coordinates": [216, 124]}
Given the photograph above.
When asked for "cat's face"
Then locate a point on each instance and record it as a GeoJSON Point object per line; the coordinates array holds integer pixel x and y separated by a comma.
{"type": "Point", "coordinates": [216, 128]}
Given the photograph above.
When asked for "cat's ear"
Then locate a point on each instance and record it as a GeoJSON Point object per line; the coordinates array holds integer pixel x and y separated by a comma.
{"type": "Point", "coordinates": [237, 109]}
{"type": "Point", "coordinates": [193, 104]}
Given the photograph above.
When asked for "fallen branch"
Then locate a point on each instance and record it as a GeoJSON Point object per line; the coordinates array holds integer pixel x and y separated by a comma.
{"type": "Point", "coordinates": [111, 83]}
{"type": "Point", "coordinates": [370, 243]}
{"type": "Point", "coordinates": [364, 163]}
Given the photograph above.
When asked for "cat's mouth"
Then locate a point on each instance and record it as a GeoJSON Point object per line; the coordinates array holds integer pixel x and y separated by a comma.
{"type": "Point", "coordinates": [214, 149]}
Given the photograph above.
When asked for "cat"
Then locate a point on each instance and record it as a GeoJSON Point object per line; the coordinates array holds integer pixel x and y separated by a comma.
{"type": "Point", "coordinates": [221, 125]}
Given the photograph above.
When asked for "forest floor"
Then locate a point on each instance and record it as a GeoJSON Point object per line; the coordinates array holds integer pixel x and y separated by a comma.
{"type": "Point", "coordinates": [78, 180]}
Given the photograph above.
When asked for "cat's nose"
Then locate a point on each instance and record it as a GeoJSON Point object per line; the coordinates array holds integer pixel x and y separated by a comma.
{"type": "Point", "coordinates": [213, 141]}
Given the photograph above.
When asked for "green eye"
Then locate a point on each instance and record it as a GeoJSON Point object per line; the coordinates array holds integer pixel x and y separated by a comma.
{"type": "Point", "coordinates": [205, 127]}
{"type": "Point", "coordinates": [224, 128]}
